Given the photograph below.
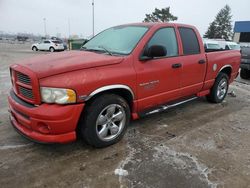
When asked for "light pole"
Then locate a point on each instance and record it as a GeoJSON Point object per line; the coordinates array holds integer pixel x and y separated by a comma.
{"type": "Point", "coordinates": [93, 12]}
{"type": "Point", "coordinates": [45, 32]}
{"type": "Point", "coordinates": [57, 33]}
{"type": "Point", "coordinates": [69, 26]}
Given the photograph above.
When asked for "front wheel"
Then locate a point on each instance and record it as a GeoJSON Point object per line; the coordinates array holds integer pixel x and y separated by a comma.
{"type": "Point", "coordinates": [105, 120]}
{"type": "Point", "coordinates": [219, 89]}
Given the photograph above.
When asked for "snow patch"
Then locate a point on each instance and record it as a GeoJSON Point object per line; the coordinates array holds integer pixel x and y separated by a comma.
{"type": "Point", "coordinates": [14, 146]}
{"type": "Point", "coordinates": [181, 160]}
{"type": "Point", "coordinates": [121, 172]}
{"type": "Point", "coordinates": [205, 144]}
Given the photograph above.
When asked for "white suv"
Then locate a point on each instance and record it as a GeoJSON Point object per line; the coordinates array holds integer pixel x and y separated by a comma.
{"type": "Point", "coordinates": [48, 45]}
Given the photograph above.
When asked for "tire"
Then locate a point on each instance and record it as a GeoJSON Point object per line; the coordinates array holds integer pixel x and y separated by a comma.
{"type": "Point", "coordinates": [105, 120]}
{"type": "Point", "coordinates": [219, 89]}
{"type": "Point", "coordinates": [34, 49]}
{"type": "Point", "coordinates": [51, 49]}
{"type": "Point", "coordinates": [244, 74]}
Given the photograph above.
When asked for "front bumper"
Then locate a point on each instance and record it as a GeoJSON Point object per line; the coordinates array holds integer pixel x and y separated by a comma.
{"type": "Point", "coordinates": [47, 123]}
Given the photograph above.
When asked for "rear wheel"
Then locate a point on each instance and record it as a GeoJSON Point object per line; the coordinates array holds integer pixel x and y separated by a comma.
{"type": "Point", "coordinates": [244, 73]}
{"type": "Point", "coordinates": [51, 49]}
{"type": "Point", "coordinates": [105, 120]}
{"type": "Point", "coordinates": [34, 48]}
{"type": "Point", "coordinates": [219, 89]}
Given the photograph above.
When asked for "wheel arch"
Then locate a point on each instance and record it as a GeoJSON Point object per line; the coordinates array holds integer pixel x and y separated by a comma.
{"type": "Point", "coordinates": [227, 69]}
{"type": "Point", "coordinates": [122, 90]}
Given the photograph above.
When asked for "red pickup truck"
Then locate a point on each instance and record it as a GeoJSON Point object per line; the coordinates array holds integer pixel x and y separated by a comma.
{"type": "Point", "coordinates": [123, 73]}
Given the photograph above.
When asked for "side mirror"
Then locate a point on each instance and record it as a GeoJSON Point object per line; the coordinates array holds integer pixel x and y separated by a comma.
{"type": "Point", "coordinates": [154, 51]}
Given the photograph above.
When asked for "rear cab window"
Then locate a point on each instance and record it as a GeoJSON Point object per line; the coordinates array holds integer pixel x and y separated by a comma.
{"type": "Point", "coordinates": [189, 40]}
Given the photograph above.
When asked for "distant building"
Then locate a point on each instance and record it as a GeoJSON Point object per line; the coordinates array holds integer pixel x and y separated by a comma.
{"type": "Point", "coordinates": [242, 32]}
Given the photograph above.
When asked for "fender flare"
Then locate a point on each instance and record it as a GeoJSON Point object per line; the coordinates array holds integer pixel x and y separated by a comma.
{"type": "Point", "coordinates": [225, 66]}
{"type": "Point", "coordinates": [109, 87]}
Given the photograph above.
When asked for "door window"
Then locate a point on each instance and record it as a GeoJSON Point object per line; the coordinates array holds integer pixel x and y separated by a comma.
{"type": "Point", "coordinates": [189, 40]}
{"type": "Point", "coordinates": [165, 37]}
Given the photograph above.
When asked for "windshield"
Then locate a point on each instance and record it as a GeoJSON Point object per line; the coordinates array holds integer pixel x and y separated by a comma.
{"type": "Point", "coordinates": [117, 40]}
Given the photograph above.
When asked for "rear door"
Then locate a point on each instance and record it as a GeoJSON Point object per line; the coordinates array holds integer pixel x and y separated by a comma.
{"type": "Point", "coordinates": [193, 62]}
{"type": "Point", "coordinates": [158, 79]}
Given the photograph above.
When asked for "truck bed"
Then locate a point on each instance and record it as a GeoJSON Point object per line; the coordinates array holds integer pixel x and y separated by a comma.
{"type": "Point", "coordinates": [218, 59]}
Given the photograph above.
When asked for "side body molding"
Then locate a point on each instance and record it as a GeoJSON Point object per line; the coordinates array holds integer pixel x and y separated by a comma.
{"type": "Point", "coordinates": [109, 87]}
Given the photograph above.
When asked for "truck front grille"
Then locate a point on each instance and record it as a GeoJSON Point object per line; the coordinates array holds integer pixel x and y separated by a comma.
{"type": "Point", "coordinates": [22, 84]}
{"type": "Point", "coordinates": [23, 78]}
{"type": "Point", "coordinates": [25, 92]}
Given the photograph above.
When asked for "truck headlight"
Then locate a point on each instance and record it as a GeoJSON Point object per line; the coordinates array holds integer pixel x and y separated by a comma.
{"type": "Point", "coordinates": [58, 95]}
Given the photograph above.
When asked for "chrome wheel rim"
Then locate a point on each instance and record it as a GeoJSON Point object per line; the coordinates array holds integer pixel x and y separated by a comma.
{"type": "Point", "coordinates": [222, 89]}
{"type": "Point", "coordinates": [110, 122]}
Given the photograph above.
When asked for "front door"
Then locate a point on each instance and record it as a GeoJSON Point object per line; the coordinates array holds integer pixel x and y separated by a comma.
{"type": "Point", "coordinates": [46, 45]}
{"type": "Point", "coordinates": [158, 79]}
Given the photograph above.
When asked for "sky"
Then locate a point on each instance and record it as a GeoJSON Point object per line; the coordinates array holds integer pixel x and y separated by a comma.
{"type": "Point", "coordinates": [75, 16]}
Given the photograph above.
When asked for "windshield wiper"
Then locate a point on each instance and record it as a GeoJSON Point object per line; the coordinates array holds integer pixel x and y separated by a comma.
{"type": "Point", "coordinates": [83, 48]}
{"type": "Point", "coordinates": [102, 48]}
{"type": "Point", "coordinates": [90, 49]}
{"type": "Point", "coordinates": [106, 50]}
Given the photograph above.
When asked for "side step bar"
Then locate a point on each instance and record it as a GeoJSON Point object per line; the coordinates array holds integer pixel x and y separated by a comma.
{"type": "Point", "coordinates": [166, 107]}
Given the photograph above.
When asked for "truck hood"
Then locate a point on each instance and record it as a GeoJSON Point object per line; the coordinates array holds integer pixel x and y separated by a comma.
{"type": "Point", "coordinates": [57, 63]}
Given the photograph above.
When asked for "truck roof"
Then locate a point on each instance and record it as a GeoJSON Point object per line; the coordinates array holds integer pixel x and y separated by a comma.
{"type": "Point", "coordinates": [159, 24]}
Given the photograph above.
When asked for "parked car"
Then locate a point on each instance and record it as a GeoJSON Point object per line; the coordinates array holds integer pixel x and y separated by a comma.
{"type": "Point", "coordinates": [211, 45]}
{"type": "Point", "coordinates": [123, 73]}
{"type": "Point", "coordinates": [61, 41]}
{"type": "Point", "coordinates": [48, 45]}
{"type": "Point", "coordinates": [245, 63]}
{"type": "Point", "coordinates": [232, 46]}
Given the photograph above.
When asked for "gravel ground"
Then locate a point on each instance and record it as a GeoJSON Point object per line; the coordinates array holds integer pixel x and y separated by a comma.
{"type": "Point", "coordinates": [197, 144]}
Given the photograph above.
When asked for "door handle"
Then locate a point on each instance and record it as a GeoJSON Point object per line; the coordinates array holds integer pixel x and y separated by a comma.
{"type": "Point", "coordinates": [176, 66]}
{"type": "Point", "coordinates": [202, 61]}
